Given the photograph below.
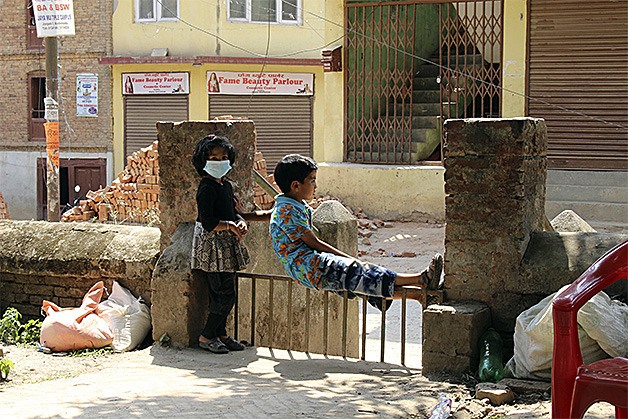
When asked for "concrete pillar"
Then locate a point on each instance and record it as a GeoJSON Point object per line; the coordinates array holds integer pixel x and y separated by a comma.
{"type": "Point", "coordinates": [495, 173]}
{"type": "Point", "coordinates": [450, 335]}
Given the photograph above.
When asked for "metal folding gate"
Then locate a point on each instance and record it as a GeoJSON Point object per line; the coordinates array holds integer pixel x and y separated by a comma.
{"type": "Point", "coordinates": [412, 64]}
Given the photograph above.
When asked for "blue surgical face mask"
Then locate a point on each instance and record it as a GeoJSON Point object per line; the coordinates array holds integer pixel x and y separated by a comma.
{"type": "Point", "coordinates": [217, 168]}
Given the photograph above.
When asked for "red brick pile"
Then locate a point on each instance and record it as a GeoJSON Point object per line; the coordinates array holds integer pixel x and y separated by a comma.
{"type": "Point", "coordinates": [4, 209]}
{"type": "Point", "coordinates": [132, 197]}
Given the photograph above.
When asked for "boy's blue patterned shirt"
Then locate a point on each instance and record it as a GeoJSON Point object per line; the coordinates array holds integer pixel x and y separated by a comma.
{"type": "Point", "coordinates": [290, 219]}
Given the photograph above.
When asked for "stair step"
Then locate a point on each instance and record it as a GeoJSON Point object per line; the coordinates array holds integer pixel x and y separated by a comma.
{"type": "Point", "coordinates": [419, 121]}
{"type": "Point", "coordinates": [420, 96]}
{"type": "Point", "coordinates": [426, 70]}
{"type": "Point", "coordinates": [593, 193]}
{"type": "Point", "coordinates": [425, 83]}
{"type": "Point", "coordinates": [376, 157]}
{"type": "Point", "coordinates": [588, 178]}
{"type": "Point", "coordinates": [419, 109]}
{"type": "Point", "coordinates": [419, 135]}
{"type": "Point", "coordinates": [468, 60]}
{"type": "Point", "coordinates": [425, 121]}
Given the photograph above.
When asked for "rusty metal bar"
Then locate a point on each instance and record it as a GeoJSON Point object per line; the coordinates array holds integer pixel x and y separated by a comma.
{"type": "Point", "coordinates": [253, 299]}
{"type": "Point", "coordinates": [271, 320]}
{"type": "Point", "coordinates": [289, 314]}
{"type": "Point", "coordinates": [325, 320]}
{"type": "Point", "coordinates": [404, 302]}
{"type": "Point", "coordinates": [383, 330]}
{"type": "Point", "coordinates": [307, 320]}
{"type": "Point", "coordinates": [235, 308]}
{"type": "Point", "coordinates": [364, 303]}
{"type": "Point", "coordinates": [345, 309]}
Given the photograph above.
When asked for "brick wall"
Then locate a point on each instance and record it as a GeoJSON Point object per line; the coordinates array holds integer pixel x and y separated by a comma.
{"type": "Point", "coordinates": [77, 54]}
{"type": "Point", "coordinates": [4, 209]}
{"type": "Point", "coordinates": [495, 173]}
{"type": "Point", "coordinates": [60, 262]}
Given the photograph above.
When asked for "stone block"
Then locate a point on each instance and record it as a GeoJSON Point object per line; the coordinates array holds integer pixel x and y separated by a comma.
{"type": "Point", "coordinates": [498, 394]}
{"type": "Point", "coordinates": [451, 332]}
{"type": "Point", "coordinates": [501, 137]}
{"type": "Point", "coordinates": [520, 386]}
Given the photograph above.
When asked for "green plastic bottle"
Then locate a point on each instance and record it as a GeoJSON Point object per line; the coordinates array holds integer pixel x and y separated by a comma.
{"type": "Point", "coordinates": [491, 357]}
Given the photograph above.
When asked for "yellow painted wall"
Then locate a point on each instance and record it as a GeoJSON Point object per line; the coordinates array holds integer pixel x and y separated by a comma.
{"type": "Point", "coordinates": [388, 192]}
{"type": "Point", "coordinates": [331, 126]}
{"type": "Point", "coordinates": [514, 58]}
{"type": "Point", "coordinates": [201, 22]}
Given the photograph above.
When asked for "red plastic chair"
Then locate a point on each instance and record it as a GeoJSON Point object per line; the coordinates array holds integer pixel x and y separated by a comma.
{"type": "Point", "coordinates": [575, 386]}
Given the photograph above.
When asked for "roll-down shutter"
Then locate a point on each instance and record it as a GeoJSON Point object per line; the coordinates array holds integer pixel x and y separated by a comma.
{"type": "Point", "coordinates": [578, 60]}
{"type": "Point", "coordinates": [141, 113]}
{"type": "Point", "coordinates": [283, 123]}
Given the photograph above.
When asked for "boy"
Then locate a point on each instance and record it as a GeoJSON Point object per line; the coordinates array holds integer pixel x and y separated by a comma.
{"type": "Point", "coordinates": [315, 263]}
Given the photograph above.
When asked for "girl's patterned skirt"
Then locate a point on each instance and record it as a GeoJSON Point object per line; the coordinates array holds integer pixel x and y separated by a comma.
{"type": "Point", "coordinates": [217, 251]}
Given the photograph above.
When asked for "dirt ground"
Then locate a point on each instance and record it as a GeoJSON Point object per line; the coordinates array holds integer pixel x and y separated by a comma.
{"type": "Point", "coordinates": [421, 239]}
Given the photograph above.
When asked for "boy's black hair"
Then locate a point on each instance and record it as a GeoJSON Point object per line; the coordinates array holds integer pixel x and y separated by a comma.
{"type": "Point", "coordinates": [205, 146]}
{"type": "Point", "coordinates": [293, 167]}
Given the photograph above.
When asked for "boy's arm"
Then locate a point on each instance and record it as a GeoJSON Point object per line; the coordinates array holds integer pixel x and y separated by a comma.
{"type": "Point", "coordinates": [315, 243]}
{"type": "Point", "coordinates": [259, 215]}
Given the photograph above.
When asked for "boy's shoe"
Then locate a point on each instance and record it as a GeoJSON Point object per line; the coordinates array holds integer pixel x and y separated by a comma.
{"type": "Point", "coordinates": [433, 276]}
{"type": "Point", "coordinates": [233, 345]}
{"type": "Point", "coordinates": [214, 345]}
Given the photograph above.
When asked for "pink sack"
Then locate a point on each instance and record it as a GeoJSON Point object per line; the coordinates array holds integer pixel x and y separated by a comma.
{"type": "Point", "coordinates": [71, 329]}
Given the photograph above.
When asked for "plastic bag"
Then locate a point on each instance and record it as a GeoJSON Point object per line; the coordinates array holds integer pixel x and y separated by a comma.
{"type": "Point", "coordinates": [71, 329]}
{"type": "Point", "coordinates": [128, 318]}
{"type": "Point", "coordinates": [602, 331]}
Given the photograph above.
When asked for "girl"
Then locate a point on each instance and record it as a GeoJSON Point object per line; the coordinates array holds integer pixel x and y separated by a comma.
{"type": "Point", "coordinates": [216, 248]}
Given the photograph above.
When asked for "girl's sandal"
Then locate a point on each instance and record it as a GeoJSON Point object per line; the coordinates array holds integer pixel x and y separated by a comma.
{"type": "Point", "coordinates": [214, 345]}
{"type": "Point", "coordinates": [433, 275]}
{"type": "Point", "coordinates": [233, 345]}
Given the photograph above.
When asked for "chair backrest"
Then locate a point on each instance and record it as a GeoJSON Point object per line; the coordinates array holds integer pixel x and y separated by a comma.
{"type": "Point", "coordinates": [566, 359]}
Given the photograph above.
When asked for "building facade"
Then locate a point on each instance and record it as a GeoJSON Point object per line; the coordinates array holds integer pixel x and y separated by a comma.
{"type": "Point", "coordinates": [85, 132]}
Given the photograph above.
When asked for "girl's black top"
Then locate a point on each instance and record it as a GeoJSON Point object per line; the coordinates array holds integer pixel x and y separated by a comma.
{"type": "Point", "coordinates": [214, 202]}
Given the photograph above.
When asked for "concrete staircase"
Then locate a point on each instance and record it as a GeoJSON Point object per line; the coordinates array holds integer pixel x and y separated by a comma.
{"type": "Point", "coordinates": [600, 198]}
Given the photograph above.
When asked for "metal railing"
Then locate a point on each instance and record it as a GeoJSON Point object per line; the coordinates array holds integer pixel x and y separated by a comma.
{"type": "Point", "coordinates": [407, 293]}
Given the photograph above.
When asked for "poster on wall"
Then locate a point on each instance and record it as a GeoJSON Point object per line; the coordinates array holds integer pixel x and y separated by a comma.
{"type": "Point", "coordinates": [87, 94]}
{"type": "Point", "coordinates": [155, 83]}
{"type": "Point", "coordinates": [54, 17]}
{"type": "Point", "coordinates": [244, 83]}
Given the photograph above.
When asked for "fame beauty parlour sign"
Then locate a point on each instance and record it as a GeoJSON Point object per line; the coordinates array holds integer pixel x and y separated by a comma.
{"type": "Point", "coordinates": [245, 83]}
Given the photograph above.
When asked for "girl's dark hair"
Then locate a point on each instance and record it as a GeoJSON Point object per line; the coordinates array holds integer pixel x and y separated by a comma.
{"type": "Point", "coordinates": [293, 167]}
{"type": "Point", "coordinates": [205, 146]}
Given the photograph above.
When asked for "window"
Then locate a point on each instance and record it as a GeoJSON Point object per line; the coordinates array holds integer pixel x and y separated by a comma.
{"type": "Point", "coordinates": [156, 10]}
{"type": "Point", "coordinates": [36, 95]}
{"type": "Point", "coordinates": [33, 42]}
{"type": "Point", "coordinates": [278, 11]}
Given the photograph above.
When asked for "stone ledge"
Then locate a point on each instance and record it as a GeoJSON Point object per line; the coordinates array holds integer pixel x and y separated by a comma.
{"type": "Point", "coordinates": [76, 249]}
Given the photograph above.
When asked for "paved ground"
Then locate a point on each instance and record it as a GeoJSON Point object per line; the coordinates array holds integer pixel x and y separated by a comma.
{"type": "Point", "coordinates": [257, 383]}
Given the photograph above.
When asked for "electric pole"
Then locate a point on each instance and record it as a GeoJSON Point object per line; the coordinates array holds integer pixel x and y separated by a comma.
{"type": "Point", "coordinates": [52, 128]}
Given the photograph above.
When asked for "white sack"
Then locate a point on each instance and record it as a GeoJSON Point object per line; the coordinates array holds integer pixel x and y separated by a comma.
{"type": "Point", "coordinates": [128, 318]}
{"type": "Point", "coordinates": [602, 330]}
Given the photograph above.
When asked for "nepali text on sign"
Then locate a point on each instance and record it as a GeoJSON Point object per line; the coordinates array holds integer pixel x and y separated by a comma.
{"type": "Point", "coordinates": [245, 83]}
